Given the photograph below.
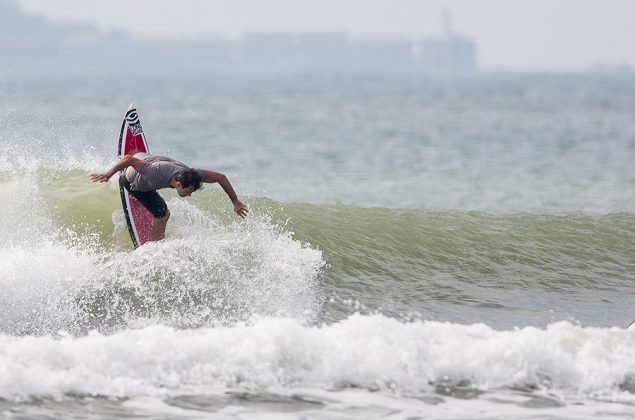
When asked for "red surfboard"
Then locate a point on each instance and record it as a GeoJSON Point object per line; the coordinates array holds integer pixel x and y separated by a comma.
{"type": "Point", "coordinates": [131, 141]}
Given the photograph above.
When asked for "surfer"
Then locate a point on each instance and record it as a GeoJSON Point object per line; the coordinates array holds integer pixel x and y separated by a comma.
{"type": "Point", "coordinates": [144, 174]}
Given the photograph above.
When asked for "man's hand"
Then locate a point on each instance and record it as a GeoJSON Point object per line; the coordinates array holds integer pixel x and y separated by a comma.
{"type": "Point", "coordinates": [240, 208]}
{"type": "Point", "coordinates": [95, 177]}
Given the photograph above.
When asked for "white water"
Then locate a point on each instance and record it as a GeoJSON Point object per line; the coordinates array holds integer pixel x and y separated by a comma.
{"type": "Point", "coordinates": [370, 352]}
{"type": "Point", "coordinates": [208, 272]}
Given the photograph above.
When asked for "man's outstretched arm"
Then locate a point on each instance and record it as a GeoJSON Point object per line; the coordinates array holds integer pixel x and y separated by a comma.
{"type": "Point", "coordinates": [122, 163]}
{"type": "Point", "coordinates": [212, 177]}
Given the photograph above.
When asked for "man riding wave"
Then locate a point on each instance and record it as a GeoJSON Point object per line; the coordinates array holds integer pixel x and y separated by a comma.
{"type": "Point", "coordinates": [144, 174]}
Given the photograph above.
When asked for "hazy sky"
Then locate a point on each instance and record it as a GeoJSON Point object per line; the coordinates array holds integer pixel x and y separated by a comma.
{"type": "Point", "coordinates": [511, 34]}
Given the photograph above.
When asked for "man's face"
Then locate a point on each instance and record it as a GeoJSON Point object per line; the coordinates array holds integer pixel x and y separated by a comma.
{"type": "Point", "coordinates": [184, 192]}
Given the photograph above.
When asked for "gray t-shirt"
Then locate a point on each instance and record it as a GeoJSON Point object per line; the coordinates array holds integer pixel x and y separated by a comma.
{"type": "Point", "coordinates": [156, 172]}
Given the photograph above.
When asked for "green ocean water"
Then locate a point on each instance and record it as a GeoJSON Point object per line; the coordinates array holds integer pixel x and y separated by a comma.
{"type": "Point", "coordinates": [416, 262]}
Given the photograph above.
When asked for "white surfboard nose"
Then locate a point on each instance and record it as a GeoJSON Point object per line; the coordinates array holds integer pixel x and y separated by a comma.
{"type": "Point", "coordinates": [131, 106]}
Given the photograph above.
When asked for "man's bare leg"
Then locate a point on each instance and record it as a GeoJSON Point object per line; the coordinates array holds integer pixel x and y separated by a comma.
{"type": "Point", "coordinates": [158, 227]}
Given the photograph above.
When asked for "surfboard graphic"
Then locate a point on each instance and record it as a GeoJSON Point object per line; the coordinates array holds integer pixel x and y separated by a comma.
{"type": "Point", "coordinates": [132, 140]}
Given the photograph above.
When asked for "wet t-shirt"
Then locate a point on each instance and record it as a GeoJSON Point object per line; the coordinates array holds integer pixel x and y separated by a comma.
{"type": "Point", "coordinates": [156, 172]}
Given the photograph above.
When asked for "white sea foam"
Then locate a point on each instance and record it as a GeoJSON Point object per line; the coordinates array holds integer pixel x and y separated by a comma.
{"type": "Point", "coordinates": [205, 272]}
{"type": "Point", "coordinates": [373, 352]}
{"type": "Point", "coordinates": [38, 286]}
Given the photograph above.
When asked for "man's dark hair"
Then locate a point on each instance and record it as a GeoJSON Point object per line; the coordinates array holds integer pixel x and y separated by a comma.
{"type": "Point", "coordinates": [189, 177]}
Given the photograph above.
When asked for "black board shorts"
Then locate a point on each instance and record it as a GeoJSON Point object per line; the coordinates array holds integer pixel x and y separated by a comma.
{"type": "Point", "coordinates": [151, 200]}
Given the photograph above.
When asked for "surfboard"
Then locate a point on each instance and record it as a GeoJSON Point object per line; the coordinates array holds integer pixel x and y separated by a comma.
{"type": "Point", "coordinates": [631, 326]}
{"type": "Point", "coordinates": [132, 140]}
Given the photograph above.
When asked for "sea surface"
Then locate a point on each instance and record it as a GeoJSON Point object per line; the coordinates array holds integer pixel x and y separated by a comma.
{"type": "Point", "coordinates": [416, 247]}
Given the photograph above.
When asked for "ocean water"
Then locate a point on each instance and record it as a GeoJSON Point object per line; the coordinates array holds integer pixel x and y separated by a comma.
{"type": "Point", "coordinates": [416, 248]}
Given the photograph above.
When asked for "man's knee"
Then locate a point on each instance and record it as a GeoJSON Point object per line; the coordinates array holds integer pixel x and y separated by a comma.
{"type": "Point", "coordinates": [158, 226]}
{"type": "Point", "coordinates": [163, 219]}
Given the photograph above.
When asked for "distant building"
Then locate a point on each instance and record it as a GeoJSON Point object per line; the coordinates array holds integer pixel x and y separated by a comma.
{"type": "Point", "coordinates": [288, 52]}
{"type": "Point", "coordinates": [29, 42]}
{"type": "Point", "coordinates": [382, 56]}
{"type": "Point", "coordinates": [268, 51]}
{"type": "Point", "coordinates": [26, 35]}
{"type": "Point", "coordinates": [322, 52]}
{"type": "Point", "coordinates": [449, 52]}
